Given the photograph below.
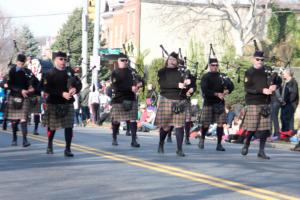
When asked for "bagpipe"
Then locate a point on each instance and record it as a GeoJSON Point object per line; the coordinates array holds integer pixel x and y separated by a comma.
{"type": "Point", "coordinates": [226, 81]}
{"type": "Point", "coordinates": [273, 72]}
{"type": "Point", "coordinates": [73, 80]}
{"type": "Point", "coordinates": [183, 69]}
{"type": "Point", "coordinates": [138, 80]}
{"type": "Point", "coordinates": [16, 50]}
{"type": "Point", "coordinates": [182, 63]}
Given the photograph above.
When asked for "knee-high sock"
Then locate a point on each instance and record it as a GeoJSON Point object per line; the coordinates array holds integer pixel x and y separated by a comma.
{"type": "Point", "coordinates": [51, 134]}
{"type": "Point", "coordinates": [220, 132]}
{"type": "Point", "coordinates": [115, 129]}
{"type": "Point", "coordinates": [170, 132]}
{"type": "Point", "coordinates": [36, 122]}
{"type": "Point", "coordinates": [187, 127]}
{"type": "Point", "coordinates": [162, 135]}
{"type": "Point", "coordinates": [179, 137]}
{"type": "Point", "coordinates": [4, 125]}
{"type": "Point", "coordinates": [263, 140]}
{"type": "Point", "coordinates": [24, 129]}
{"type": "Point", "coordinates": [133, 129]}
{"type": "Point", "coordinates": [204, 131]}
{"type": "Point", "coordinates": [128, 126]}
{"type": "Point", "coordinates": [249, 137]}
{"type": "Point", "coordinates": [14, 126]}
{"type": "Point", "coordinates": [68, 137]}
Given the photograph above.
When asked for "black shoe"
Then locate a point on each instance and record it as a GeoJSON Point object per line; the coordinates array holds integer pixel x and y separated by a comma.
{"type": "Point", "coordinates": [245, 150]}
{"type": "Point", "coordinates": [135, 144]}
{"type": "Point", "coordinates": [187, 142]}
{"type": "Point", "coordinates": [26, 144]}
{"type": "Point", "coordinates": [169, 140]}
{"type": "Point", "coordinates": [220, 147]}
{"type": "Point", "coordinates": [35, 133]}
{"type": "Point", "coordinates": [160, 148]}
{"type": "Point", "coordinates": [201, 143]}
{"type": "Point", "coordinates": [68, 153]}
{"type": "Point", "coordinates": [128, 133]}
{"type": "Point", "coordinates": [14, 143]}
{"type": "Point", "coordinates": [180, 153]}
{"type": "Point", "coordinates": [114, 143]}
{"type": "Point", "coordinates": [261, 154]}
{"type": "Point", "coordinates": [49, 150]}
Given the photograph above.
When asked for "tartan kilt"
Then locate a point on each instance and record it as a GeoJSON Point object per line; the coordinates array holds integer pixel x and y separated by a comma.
{"type": "Point", "coordinates": [209, 117]}
{"type": "Point", "coordinates": [36, 108]}
{"type": "Point", "coordinates": [120, 115]}
{"type": "Point", "coordinates": [165, 117]}
{"type": "Point", "coordinates": [250, 119]}
{"type": "Point", "coordinates": [53, 122]}
{"type": "Point", "coordinates": [188, 114]}
{"type": "Point", "coordinates": [15, 114]}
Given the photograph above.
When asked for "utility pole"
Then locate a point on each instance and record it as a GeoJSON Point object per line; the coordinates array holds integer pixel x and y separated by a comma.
{"type": "Point", "coordinates": [84, 52]}
{"type": "Point", "coordinates": [96, 45]}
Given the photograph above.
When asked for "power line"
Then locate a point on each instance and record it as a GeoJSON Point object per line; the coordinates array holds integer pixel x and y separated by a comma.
{"type": "Point", "coordinates": [28, 16]}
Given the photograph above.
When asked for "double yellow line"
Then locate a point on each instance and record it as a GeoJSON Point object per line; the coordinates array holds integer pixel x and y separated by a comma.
{"type": "Point", "coordinates": [176, 171]}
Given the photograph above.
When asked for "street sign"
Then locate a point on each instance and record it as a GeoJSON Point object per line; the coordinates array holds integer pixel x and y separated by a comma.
{"type": "Point", "coordinates": [107, 51]}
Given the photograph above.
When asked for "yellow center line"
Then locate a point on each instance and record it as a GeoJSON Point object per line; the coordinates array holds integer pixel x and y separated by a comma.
{"type": "Point", "coordinates": [176, 171]}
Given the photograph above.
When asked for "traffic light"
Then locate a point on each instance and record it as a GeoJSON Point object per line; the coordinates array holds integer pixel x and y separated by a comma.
{"type": "Point", "coordinates": [91, 9]}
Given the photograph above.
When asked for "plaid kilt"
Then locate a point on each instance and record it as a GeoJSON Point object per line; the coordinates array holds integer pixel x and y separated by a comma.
{"type": "Point", "coordinates": [209, 117]}
{"type": "Point", "coordinates": [251, 118]}
{"type": "Point", "coordinates": [165, 117]}
{"type": "Point", "coordinates": [35, 108]}
{"type": "Point", "coordinates": [14, 114]}
{"type": "Point", "coordinates": [53, 122]}
{"type": "Point", "coordinates": [188, 114]}
{"type": "Point", "coordinates": [120, 115]}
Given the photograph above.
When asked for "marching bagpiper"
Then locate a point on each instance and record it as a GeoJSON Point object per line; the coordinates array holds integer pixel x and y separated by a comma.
{"type": "Point", "coordinates": [19, 84]}
{"type": "Point", "coordinates": [125, 85]}
{"type": "Point", "coordinates": [61, 85]}
{"type": "Point", "coordinates": [214, 86]}
{"type": "Point", "coordinates": [171, 106]}
{"type": "Point", "coordinates": [257, 113]}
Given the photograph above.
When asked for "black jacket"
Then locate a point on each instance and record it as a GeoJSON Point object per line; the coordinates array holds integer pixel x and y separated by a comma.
{"type": "Point", "coordinates": [214, 82]}
{"type": "Point", "coordinates": [122, 82]}
{"type": "Point", "coordinates": [291, 95]}
{"type": "Point", "coordinates": [168, 79]}
{"type": "Point", "coordinates": [58, 81]}
{"type": "Point", "coordinates": [18, 81]}
{"type": "Point", "coordinates": [255, 81]}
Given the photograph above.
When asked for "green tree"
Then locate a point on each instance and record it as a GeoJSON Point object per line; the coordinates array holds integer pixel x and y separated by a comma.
{"type": "Point", "coordinates": [284, 35]}
{"type": "Point", "coordinates": [153, 68]}
{"type": "Point", "coordinates": [27, 43]}
{"type": "Point", "coordinates": [238, 94]}
{"type": "Point", "coordinates": [69, 38]}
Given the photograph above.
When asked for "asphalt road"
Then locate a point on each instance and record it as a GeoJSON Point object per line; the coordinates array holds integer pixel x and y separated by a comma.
{"type": "Point", "coordinates": [102, 171]}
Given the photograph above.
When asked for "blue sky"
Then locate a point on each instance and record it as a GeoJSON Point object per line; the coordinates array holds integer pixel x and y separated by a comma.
{"type": "Point", "coordinates": [40, 26]}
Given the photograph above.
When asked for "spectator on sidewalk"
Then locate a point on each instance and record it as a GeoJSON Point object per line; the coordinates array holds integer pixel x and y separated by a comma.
{"type": "Point", "coordinates": [290, 97]}
{"type": "Point", "coordinates": [275, 108]}
{"type": "Point", "coordinates": [230, 115]}
{"type": "Point", "coordinates": [76, 104]}
{"type": "Point", "coordinates": [94, 102]}
{"type": "Point", "coordinates": [84, 102]}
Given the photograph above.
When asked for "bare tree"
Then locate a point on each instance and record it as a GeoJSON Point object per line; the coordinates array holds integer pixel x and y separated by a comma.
{"type": "Point", "coordinates": [247, 20]}
{"type": "Point", "coordinates": [6, 42]}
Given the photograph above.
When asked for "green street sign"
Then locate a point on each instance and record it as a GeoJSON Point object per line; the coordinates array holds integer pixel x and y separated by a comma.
{"type": "Point", "coordinates": [109, 51]}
